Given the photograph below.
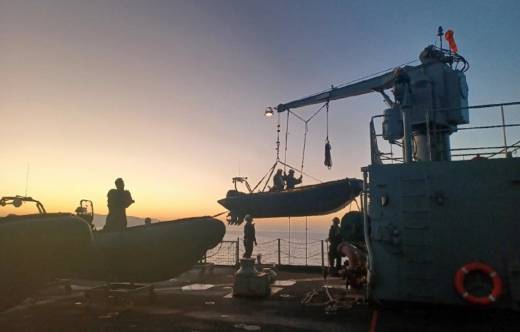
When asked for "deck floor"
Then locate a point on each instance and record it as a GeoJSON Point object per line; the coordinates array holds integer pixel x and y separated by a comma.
{"type": "Point", "coordinates": [206, 305]}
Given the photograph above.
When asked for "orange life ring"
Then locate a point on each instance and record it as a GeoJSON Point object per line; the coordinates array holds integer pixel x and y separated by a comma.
{"type": "Point", "coordinates": [461, 274]}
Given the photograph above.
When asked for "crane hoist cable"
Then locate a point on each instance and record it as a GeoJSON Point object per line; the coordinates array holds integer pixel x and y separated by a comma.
{"type": "Point", "coordinates": [286, 139]}
{"type": "Point", "coordinates": [306, 124]}
{"type": "Point", "coordinates": [278, 138]}
{"type": "Point", "coordinates": [271, 170]}
{"type": "Point", "coordinates": [267, 176]}
{"type": "Point", "coordinates": [328, 159]}
{"type": "Point", "coordinates": [304, 145]}
{"type": "Point", "coordinates": [328, 156]}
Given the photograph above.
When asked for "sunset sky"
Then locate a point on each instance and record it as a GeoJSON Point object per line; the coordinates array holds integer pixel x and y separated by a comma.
{"type": "Point", "coordinates": [170, 95]}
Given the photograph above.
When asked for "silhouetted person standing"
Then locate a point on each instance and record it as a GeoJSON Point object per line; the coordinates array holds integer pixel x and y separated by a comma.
{"type": "Point", "coordinates": [118, 200]}
{"type": "Point", "coordinates": [291, 181]}
{"type": "Point", "coordinates": [334, 240]}
{"type": "Point", "coordinates": [278, 181]}
{"type": "Point", "coordinates": [249, 236]}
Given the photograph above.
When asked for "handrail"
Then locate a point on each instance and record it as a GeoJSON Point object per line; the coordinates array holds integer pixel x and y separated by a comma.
{"type": "Point", "coordinates": [312, 253]}
{"type": "Point", "coordinates": [488, 151]}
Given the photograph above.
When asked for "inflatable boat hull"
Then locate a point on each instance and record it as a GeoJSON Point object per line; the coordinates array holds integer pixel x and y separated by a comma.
{"type": "Point", "coordinates": [318, 199]}
{"type": "Point", "coordinates": [154, 252]}
{"type": "Point", "coordinates": [35, 249]}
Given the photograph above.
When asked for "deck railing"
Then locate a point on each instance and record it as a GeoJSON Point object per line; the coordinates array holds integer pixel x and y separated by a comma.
{"type": "Point", "coordinates": [505, 134]}
{"type": "Point", "coordinates": [502, 135]}
{"type": "Point", "coordinates": [277, 251]}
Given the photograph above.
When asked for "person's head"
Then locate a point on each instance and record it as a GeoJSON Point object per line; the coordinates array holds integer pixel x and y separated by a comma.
{"type": "Point", "coordinates": [291, 172]}
{"type": "Point", "coordinates": [120, 184]}
{"type": "Point", "coordinates": [335, 221]}
{"type": "Point", "coordinates": [279, 171]}
{"type": "Point", "coordinates": [248, 218]}
{"type": "Point", "coordinates": [147, 221]}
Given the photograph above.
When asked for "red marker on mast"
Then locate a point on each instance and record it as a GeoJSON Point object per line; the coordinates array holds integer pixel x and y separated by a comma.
{"type": "Point", "coordinates": [451, 41]}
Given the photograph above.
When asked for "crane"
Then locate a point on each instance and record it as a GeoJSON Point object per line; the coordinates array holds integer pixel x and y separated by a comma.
{"type": "Point", "coordinates": [430, 100]}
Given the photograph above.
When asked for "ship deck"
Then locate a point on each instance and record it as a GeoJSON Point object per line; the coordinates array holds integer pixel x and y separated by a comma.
{"type": "Point", "coordinates": [202, 302]}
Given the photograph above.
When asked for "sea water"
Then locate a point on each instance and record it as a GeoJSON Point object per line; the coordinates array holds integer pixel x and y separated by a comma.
{"type": "Point", "coordinates": [295, 242]}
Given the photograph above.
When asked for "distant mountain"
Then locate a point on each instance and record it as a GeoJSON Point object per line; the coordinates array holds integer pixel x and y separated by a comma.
{"type": "Point", "coordinates": [99, 221]}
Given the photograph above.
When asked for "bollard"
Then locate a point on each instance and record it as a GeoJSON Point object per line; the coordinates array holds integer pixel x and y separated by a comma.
{"type": "Point", "coordinates": [279, 256]}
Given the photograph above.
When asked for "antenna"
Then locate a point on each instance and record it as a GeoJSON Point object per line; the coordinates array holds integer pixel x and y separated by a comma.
{"type": "Point", "coordinates": [27, 178]}
{"type": "Point", "coordinates": [440, 34]}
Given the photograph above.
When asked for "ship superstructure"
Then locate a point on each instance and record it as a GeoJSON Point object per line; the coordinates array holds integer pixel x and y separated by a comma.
{"type": "Point", "coordinates": [440, 223]}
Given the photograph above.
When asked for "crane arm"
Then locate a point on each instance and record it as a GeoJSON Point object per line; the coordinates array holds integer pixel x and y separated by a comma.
{"type": "Point", "coordinates": [377, 83]}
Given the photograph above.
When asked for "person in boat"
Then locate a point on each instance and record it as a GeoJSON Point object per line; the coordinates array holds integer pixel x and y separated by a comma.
{"type": "Point", "coordinates": [291, 181]}
{"type": "Point", "coordinates": [278, 181]}
{"type": "Point", "coordinates": [249, 236]}
{"type": "Point", "coordinates": [119, 200]}
{"type": "Point", "coordinates": [334, 240]}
